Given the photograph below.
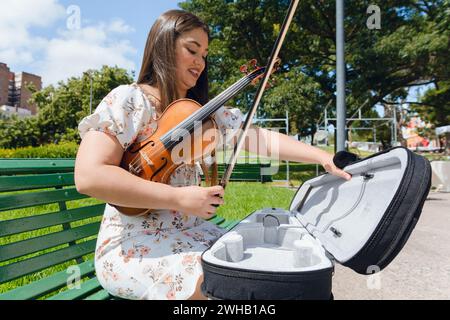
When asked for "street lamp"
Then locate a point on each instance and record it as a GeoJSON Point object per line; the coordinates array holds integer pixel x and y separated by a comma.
{"type": "Point", "coordinates": [90, 99]}
{"type": "Point", "coordinates": [340, 77]}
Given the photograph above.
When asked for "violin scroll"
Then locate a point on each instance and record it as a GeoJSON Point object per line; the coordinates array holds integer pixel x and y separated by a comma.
{"type": "Point", "coordinates": [252, 66]}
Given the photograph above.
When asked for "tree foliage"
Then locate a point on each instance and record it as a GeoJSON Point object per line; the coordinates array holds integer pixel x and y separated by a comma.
{"type": "Point", "coordinates": [410, 49]}
{"type": "Point", "coordinates": [60, 109]}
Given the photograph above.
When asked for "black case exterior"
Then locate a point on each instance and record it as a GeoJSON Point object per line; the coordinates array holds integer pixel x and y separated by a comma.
{"type": "Point", "coordinates": [386, 242]}
{"type": "Point", "coordinates": [237, 284]}
{"type": "Point", "coordinates": [399, 220]}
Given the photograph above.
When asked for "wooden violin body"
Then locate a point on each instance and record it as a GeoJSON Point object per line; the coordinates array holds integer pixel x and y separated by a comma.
{"type": "Point", "coordinates": [153, 160]}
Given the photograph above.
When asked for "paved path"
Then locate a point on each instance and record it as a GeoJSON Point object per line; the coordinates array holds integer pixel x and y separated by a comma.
{"type": "Point", "coordinates": [420, 271]}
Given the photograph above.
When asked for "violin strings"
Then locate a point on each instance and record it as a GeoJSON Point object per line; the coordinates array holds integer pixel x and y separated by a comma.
{"type": "Point", "coordinates": [201, 114]}
{"type": "Point", "coordinates": [239, 85]}
{"type": "Point", "coordinates": [215, 103]}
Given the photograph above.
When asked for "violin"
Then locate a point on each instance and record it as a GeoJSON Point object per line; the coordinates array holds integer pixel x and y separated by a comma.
{"type": "Point", "coordinates": [175, 142]}
{"type": "Point", "coordinates": [153, 160]}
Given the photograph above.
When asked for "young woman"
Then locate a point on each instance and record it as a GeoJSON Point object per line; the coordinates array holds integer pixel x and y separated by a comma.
{"type": "Point", "coordinates": [157, 255]}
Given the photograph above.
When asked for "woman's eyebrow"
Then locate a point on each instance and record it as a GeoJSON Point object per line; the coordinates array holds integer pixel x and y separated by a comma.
{"type": "Point", "coordinates": [198, 44]}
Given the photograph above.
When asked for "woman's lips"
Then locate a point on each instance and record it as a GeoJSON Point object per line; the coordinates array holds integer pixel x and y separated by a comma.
{"type": "Point", "coordinates": [194, 73]}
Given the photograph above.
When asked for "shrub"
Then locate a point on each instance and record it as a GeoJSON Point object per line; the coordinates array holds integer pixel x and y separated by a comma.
{"type": "Point", "coordinates": [62, 150]}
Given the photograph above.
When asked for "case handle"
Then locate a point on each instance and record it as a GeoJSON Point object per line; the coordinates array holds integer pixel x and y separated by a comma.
{"type": "Point", "coordinates": [344, 158]}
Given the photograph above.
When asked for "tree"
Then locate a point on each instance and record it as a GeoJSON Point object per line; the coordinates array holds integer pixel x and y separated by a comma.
{"type": "Point", "coordinates": [434, 105]}
{"type": "Point", "coordinates": [298, 94]}
{"type": "Point", "coordinates": [410, 49]}
{"type": "Point", "coordinates": [61, 108]}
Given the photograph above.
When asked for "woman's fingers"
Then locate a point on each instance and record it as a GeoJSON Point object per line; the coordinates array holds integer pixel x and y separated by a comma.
{"type": "Point", "coordinates": [341, 173]}
{"type": "Point", "coordinates": [212, 209]}
{"type": "Point", "coordinates": [332, 169]}
{"type": "Point", "coordinates": [208, 215]}
{"type": "Point", "coordinates": [216, 200]}
{"type": "Point", "coordinates": [216, 190]}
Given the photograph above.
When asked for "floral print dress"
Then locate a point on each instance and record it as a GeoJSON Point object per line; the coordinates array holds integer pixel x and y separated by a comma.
{"type": "Point", "coordinates": [155, 256]}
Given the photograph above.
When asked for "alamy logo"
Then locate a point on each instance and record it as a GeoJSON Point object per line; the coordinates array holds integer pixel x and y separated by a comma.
{"type": "Point", "coordinates": [73, 281]}
{"type": "Point", "coordinates": [74, 19]}
{"type": "Point", "coordinates": [374, 20]}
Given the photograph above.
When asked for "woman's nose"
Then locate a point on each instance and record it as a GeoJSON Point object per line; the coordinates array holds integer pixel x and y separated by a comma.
{"type": "Point", "coordinates": [199, 62]}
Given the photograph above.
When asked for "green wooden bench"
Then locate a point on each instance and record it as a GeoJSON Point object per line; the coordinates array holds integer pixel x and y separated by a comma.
{"type": "Point", "coordinates": [46, 226]}
{"type": "Point", "coordinates": [248, 172]}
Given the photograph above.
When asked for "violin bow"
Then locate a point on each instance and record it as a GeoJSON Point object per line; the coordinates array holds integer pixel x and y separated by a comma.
{"type": "Point", "coordinates": [270, 65]}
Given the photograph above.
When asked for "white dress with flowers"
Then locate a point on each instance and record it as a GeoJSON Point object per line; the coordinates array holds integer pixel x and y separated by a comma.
{"type": "Point", "coordinates": [156, 256]}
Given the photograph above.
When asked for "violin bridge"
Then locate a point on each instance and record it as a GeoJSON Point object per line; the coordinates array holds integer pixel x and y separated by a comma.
{"type": "Point", "coordinates": [134, 170]}
{"type": "Point", "coordinates": [146, 158]}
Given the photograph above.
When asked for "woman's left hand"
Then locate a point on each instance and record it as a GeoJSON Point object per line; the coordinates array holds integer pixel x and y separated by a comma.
{"type": "Point", "coordinates": [330, 167]}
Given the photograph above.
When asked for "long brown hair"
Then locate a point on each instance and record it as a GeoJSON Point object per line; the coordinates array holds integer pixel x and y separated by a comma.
{"type": "Point", "coordinates": [159, 64]}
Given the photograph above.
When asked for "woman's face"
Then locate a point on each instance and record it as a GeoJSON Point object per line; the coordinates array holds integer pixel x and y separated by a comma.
{"type": "Point", "coordinates": [191, 51]}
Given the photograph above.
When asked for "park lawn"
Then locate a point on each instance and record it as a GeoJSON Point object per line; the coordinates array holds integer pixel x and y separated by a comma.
{"type": "Point", "coordinates": [298, 172]}
{"type": "Point", "coordinates": [241, 199]}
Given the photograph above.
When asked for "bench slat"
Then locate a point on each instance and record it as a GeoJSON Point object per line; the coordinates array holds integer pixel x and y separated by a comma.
{"type": "Point", "coordinates": [24, 166]}
{"type": "Point", "coordinates": [18, 269]}
{"type": "Point", "coordinates": [49, 284]}
{"type": "Point", "coordinates": [228, 224]}
{"type": "Point", "coordinates": [101, 295]}
{"type": "Point", "coordinates": [14, 226]}
{"type": "Point", "coordinates": [244, 171]}
{"type": "Point", "coordinates": [32, 199]}
{"type": "Point", "coordinates": [87, 288]}
{"type": "Point", "coordinates": [29, 182]}
{"type": "Point", "coordinates": [22, 248]}
{"type": "Point", "coordinates": [247, 172]}
{"type": "Point", "coordinates": [216, 220]}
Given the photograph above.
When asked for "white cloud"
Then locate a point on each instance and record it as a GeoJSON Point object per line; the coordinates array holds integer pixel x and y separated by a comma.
{"type": "Point", "coordinates": [67, 52]}
{"type": "Point", "coordinates": [17, 19]}
{"type": "Point", "coordinates": [27, 13]}
{"type": "Point", "coordinates": [87, 48]}
{"type": "Point", "coordinates": [119, 26]}
{"type": "Point", "coordinates": [18, 56]}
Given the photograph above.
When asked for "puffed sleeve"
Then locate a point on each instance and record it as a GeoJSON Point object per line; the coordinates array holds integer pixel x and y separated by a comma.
{"type": "Point", "coordinates": [229, 121]}
{"type": "Point", "coordinates": [123, 113]}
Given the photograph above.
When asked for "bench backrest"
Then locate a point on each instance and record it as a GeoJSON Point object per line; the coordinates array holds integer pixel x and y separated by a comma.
{"type": "Point", "coordinates": [45, 224]}
{"type": "Point", "coordinates": [247, 172]}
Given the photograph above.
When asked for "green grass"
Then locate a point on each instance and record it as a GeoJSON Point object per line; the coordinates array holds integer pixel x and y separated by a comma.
{"type": "Point", "coordinates": [240, 200]}
{"type": "Point", "coordinates": [243, 198]}
{"type": "Point", "coordinates": [298, 172]}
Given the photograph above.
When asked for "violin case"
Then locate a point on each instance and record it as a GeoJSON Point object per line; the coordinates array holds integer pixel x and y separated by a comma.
{"type": "Point", "coordinates": [362, 224]}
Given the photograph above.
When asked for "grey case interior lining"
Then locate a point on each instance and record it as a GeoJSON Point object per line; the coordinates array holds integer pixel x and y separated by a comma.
{"type": "Point", "coordinates": [343, 215]}
{"type": "Point", "coordinates": [287, 247]}
{"type": "Point", "coordinates": [329, 219]}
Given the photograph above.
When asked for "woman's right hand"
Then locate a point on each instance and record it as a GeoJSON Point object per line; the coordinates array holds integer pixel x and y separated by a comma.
{"type": "Point", "coordinates": [199, 201]}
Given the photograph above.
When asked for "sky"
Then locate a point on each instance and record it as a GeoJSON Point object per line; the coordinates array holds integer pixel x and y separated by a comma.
{"type": "Point", "coordinates": [57, 39]}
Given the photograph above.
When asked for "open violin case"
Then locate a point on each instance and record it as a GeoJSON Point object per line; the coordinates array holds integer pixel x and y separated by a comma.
{"type": "Point", "coordinates": [362, 224]}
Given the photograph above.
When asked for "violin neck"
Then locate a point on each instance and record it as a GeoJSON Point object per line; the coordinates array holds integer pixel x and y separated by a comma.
{"type": "Point", "coordinates": [212, 106]}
